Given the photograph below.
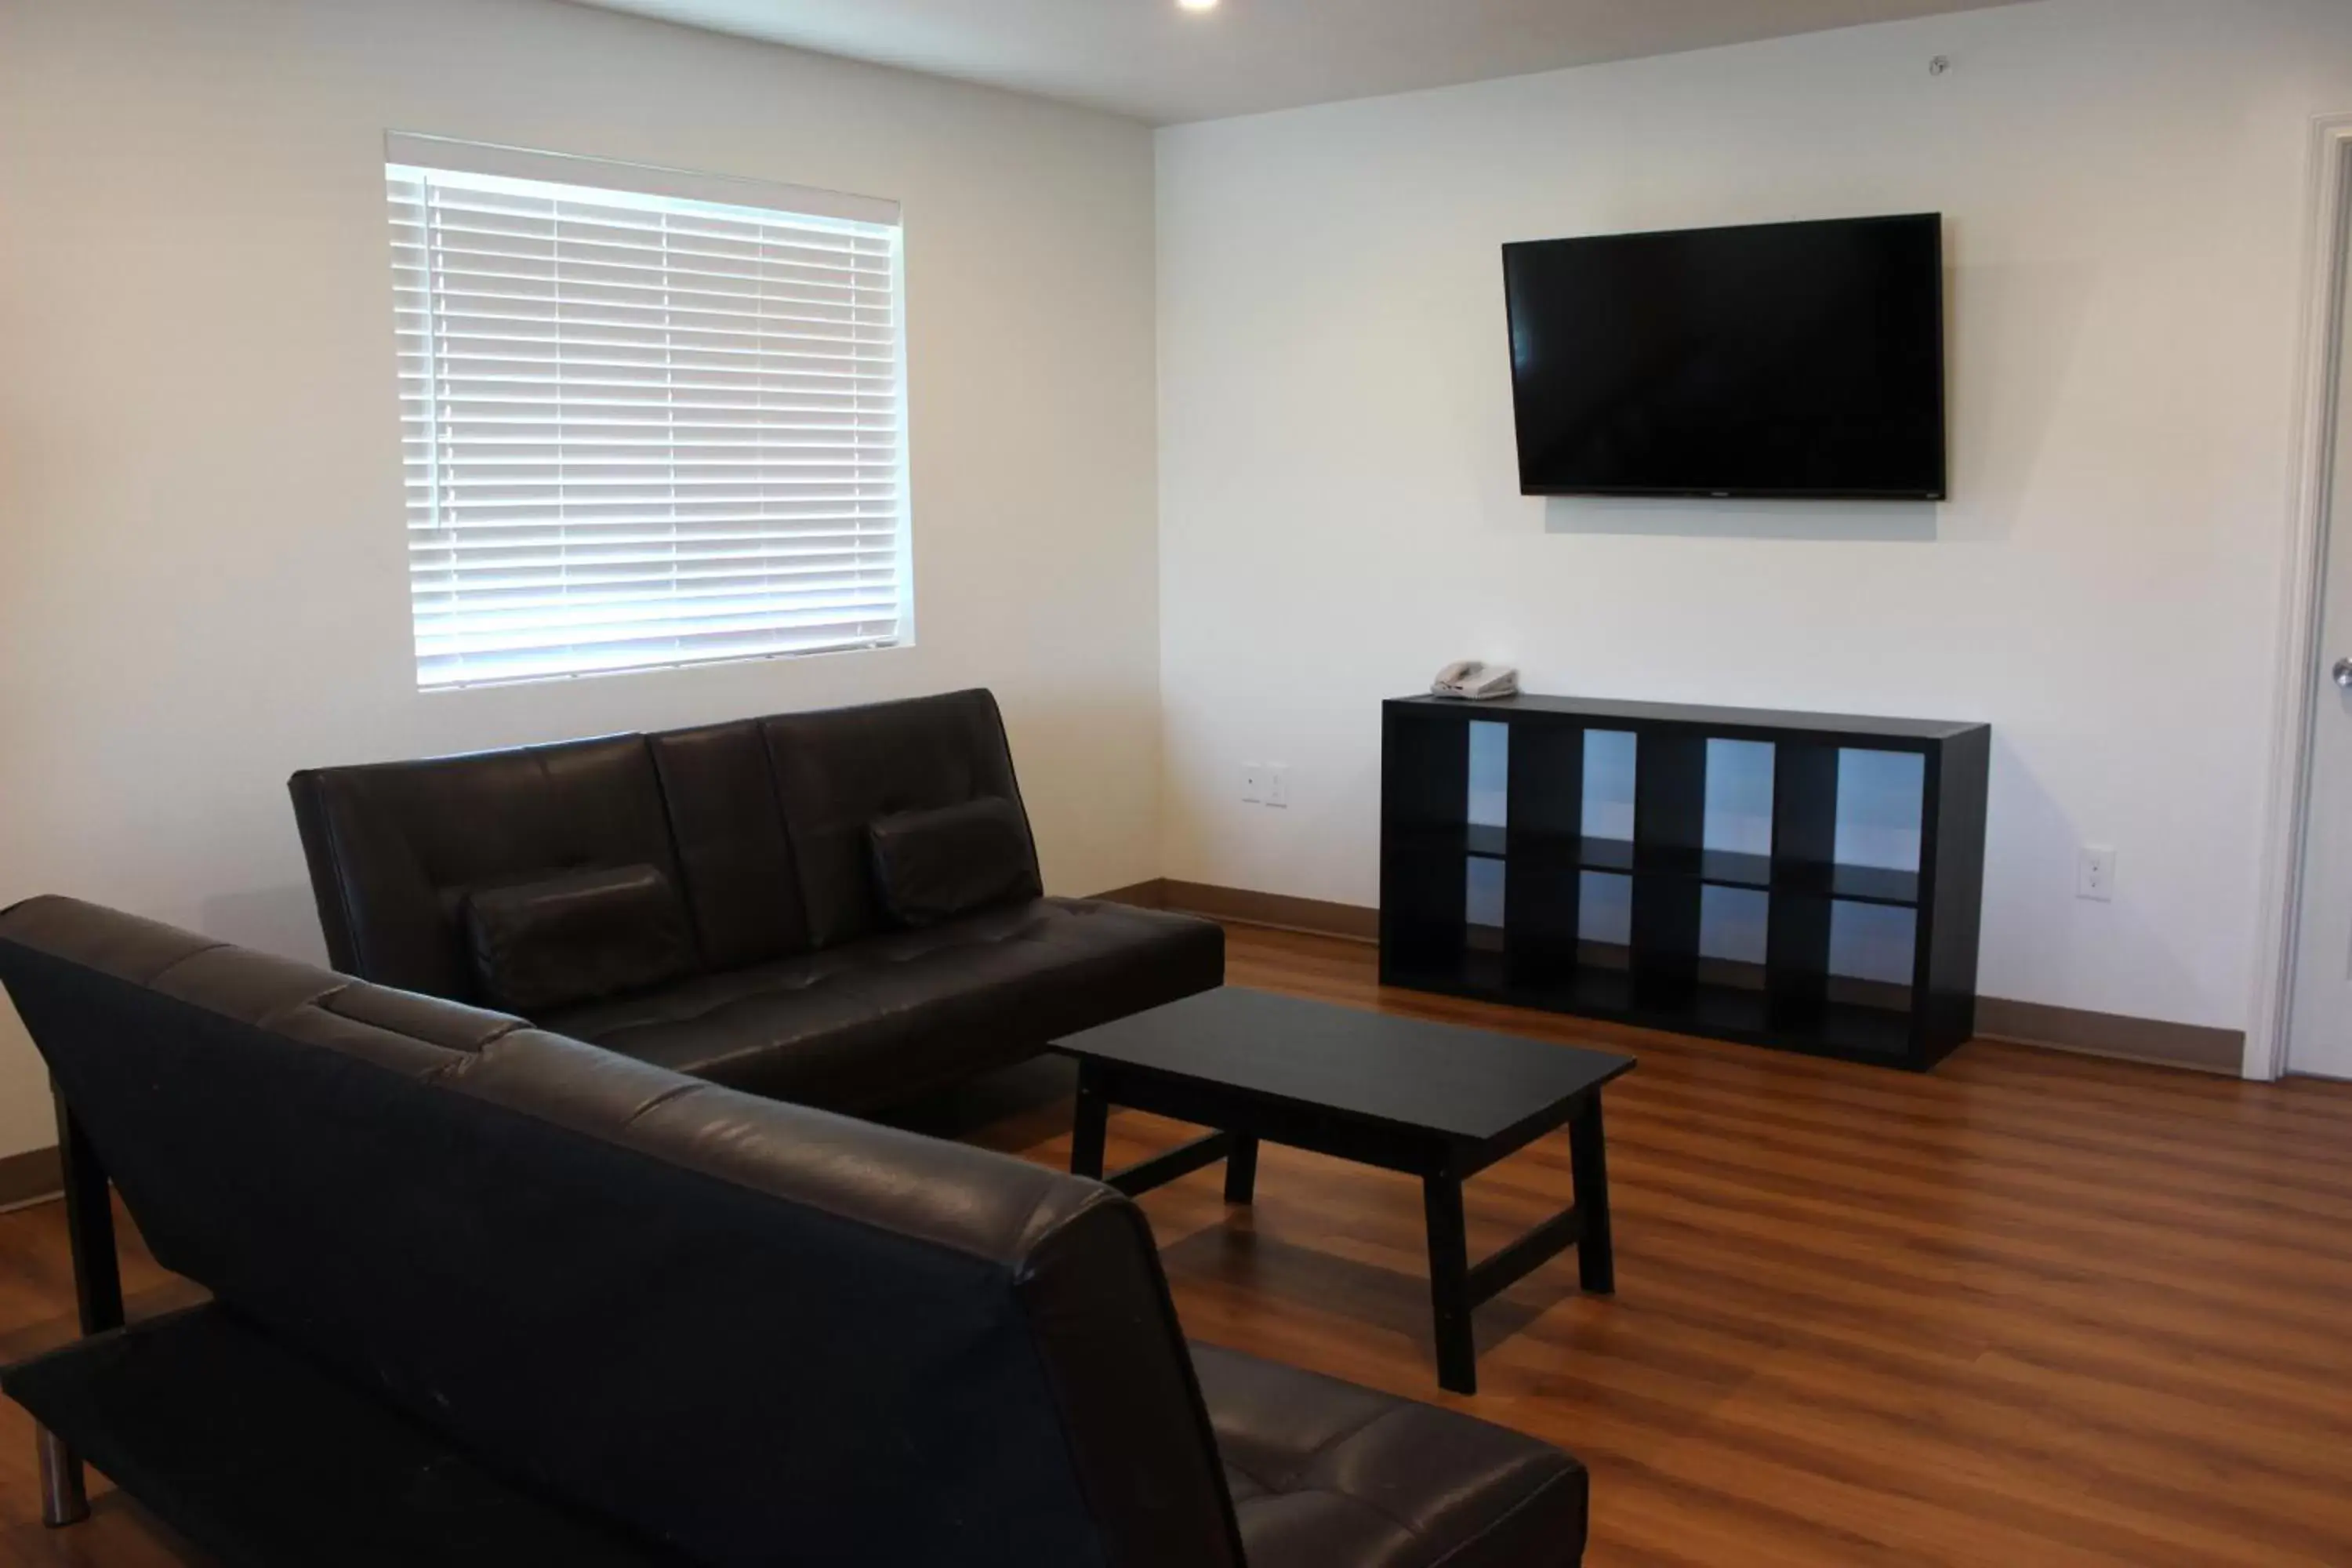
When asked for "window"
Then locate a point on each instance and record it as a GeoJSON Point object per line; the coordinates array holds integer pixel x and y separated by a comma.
{"type": "Point", "coordinates": [648, 418]}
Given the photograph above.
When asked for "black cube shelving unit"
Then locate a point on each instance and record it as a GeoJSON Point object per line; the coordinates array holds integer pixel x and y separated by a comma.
{"type": "Point", "coordinates": [1658, 975]}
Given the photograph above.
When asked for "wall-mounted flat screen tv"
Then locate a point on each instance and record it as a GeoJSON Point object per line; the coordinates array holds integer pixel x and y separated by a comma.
{"type": "Point", "coordinates": [1796, 360]}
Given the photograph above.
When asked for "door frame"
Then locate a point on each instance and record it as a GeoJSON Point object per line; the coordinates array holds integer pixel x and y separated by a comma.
{"type": "Point", "coordinates": [2327, 274]}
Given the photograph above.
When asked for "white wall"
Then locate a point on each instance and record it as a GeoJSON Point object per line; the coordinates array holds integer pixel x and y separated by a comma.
{"type": "Point", "coordinates": [2124, 183]}
{"type": "Point", "coordinates": [203, 582]}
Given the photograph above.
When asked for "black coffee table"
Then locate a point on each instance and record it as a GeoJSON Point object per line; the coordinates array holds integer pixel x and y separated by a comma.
{"type": "Point", "coordinates": [1434, 1101]}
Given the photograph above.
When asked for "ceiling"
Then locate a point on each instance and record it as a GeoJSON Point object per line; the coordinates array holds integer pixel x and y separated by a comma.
{"type": "Point", "coordinates": [1150, 60]}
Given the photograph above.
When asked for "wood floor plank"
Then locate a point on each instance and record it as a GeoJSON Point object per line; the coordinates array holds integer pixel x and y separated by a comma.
{"type": "Point", "coordinates": [2031, 1310]}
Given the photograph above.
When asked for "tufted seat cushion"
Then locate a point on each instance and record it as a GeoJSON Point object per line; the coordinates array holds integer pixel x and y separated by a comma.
{"type": "Point", "coordinates": [1325, 1472]}
{"type": "Point", "coordinates": [853, 1028]}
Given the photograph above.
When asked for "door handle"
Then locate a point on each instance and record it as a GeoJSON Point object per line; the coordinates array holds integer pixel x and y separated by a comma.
{"type": "Point", "coordinates": [2344, 673]}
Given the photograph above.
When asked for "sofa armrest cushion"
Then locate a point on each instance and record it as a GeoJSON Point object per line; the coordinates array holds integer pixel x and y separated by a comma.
{"type": "Point", "coordinates": [932, 865]}
{"type": "Point", "coordinates": [576, 938]}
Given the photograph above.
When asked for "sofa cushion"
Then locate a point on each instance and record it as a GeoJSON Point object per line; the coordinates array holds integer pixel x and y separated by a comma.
{"type": "Point", "coordinates": [1324, 1472]}
{"type": "Point", "coordinates": [837, 771]}
{"type": "Point", "coordinates": [856, 1028]}
{"type": "Point", "coordinates": [395, 847]}
{"type": "Point", "coordinates": [576, 938]}
{"type": "Point", "coordinates": [931, 866]}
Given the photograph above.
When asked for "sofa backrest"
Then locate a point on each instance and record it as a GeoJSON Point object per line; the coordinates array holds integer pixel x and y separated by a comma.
{"type": "Point", "coordinates": [760, 825]}
{"type": "Point", "coordinates": [755, 1331]}
{"type": "Point", "coordinates": [742, 881]}
{"type": "Point", "coordinates": [839, 769]}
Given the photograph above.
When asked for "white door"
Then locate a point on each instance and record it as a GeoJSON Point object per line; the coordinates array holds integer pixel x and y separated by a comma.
{"type": "Point", "coordinates": [2319, 1032]}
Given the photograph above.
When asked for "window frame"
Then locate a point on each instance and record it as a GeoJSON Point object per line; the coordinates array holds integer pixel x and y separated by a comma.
{"type": "Point", "coordinates": [659, 188]}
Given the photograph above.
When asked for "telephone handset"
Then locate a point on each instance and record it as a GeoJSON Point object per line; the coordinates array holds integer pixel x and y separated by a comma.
{"type": "Point", "coordinates": [1476, 681]}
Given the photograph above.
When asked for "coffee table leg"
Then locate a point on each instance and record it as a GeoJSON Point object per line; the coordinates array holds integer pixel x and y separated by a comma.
{"type": "Point", "coordinates": [1449, 1284]}
{"type": "Point", "coordinates": [1596, 1259]}
{"type": "Point", "coordinates": [1087, 1132]}
{"type": "Point", "coordinates": [65, 1499]}
{"type": "Point", "coordinates": [1241, 1169]}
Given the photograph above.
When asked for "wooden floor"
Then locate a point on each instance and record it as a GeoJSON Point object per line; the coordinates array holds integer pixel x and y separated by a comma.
{"type": "Point", "coordinates": [2033, 1310]}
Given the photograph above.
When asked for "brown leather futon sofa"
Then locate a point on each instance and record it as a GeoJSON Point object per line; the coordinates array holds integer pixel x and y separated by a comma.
{"type": "Point", "coordinates": [841, 909]}
{"type": "Point", "coordinates": [484, 1295]}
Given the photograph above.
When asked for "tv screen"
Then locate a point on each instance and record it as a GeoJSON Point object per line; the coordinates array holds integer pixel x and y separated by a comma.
{"type": "Point", "coordinates": [1801, 360]}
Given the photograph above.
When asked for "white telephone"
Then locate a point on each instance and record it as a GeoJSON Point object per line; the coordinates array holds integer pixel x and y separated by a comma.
{"type": "Point", "coordinates": [1476, 681]}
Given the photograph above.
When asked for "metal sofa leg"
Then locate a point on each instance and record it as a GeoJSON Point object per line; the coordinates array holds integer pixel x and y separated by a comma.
{"type": "Point", "coordinates": [64, 1499]}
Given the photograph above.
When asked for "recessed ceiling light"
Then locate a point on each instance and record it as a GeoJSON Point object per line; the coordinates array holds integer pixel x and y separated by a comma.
{"type": "Point", "coordinates": [1196, 4]}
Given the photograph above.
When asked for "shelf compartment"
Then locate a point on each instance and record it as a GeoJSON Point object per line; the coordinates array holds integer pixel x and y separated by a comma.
{"type": "Point", "coordinates": [1717, 866]}
{"type": "Point", "coordinates": [1764, 873]}
{"type": "Point", "coordinates": [1723, 867]}
{"type": "Point", "coordinates": [1739, 1012]}
{"type": "Point", "coordinates": [1852, 884]}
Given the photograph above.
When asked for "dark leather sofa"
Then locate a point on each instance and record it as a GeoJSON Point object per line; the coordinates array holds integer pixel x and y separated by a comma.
{"type": "Point", "coordinates": [486, 1295]}
{"type": "Point", "coordinates": [841, 909]}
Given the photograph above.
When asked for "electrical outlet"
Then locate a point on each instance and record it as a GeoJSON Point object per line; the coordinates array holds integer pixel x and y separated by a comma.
{"type": "Point", "coordinates": [1278, 786]}
{"type": "Point", "coordinates": [1253, 783]}
{"type": "Point", "coordinates": [2096, 877]}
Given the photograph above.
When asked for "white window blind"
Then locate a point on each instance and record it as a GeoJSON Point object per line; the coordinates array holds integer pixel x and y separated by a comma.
{"type": "Point", "coordinates": [642, 428]}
